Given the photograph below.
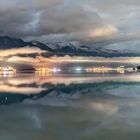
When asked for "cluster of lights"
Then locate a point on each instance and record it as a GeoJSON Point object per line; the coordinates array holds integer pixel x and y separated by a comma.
{"type": "Point", "coordinates": [46, 70]}
{"type": "Point", "coordinates": [80, 69]}
{"type": "Point", "coordinates": [7, 71]}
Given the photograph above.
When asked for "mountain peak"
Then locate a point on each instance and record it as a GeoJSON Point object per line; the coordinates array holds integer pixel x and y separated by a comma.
{"type": "Point", "coordinates": [63, 48]}
{"type": "Point", "coordinates": [7, 42]}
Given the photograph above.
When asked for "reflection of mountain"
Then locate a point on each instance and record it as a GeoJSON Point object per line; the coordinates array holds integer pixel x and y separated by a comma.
{"type": "Point", "coordinates": [7, 98]}
{"type": "Point", "coordinates": [17, 89]}
{"type": "Point", "coordinates": [62, 49]}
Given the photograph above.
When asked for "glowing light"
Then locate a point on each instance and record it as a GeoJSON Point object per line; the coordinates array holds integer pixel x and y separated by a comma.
{"type": "Point", "coordinates": [7, 71]}
{"type": "Point", "coordinates": [55, 70]}
{"type": "Point", "coordinates": [99, 69]}
{"type": "Point", "coordinates": [43, 71]}
{"type": "Point", "coordinates": [78, 69]}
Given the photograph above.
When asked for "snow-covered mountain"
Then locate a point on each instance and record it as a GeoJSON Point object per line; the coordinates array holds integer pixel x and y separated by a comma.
{"type": "Point", "coordinates": [64, 48]}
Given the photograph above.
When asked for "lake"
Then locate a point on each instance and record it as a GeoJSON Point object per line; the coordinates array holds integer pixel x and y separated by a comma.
{"type": "Point", "coordinates": [70, 106]}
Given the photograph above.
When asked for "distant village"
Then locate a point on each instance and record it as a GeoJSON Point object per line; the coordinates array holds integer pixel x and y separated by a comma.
{"type": "Point", "coordinates": [44, 71]}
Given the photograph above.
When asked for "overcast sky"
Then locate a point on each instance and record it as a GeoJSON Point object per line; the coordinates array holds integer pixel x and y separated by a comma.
{"type": "Point", "coordinates": [89, 21]}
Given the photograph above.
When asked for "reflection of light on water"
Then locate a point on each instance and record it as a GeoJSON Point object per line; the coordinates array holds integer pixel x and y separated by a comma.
{"type": "Point", "coordinates": [19, 84]}
{"type": "Point", "coordinates": [39, 80]}
{"type": "Point", "coordinates": [34, 83]}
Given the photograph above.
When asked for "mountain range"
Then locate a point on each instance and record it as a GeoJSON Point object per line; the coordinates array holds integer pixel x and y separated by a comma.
{"type": "Point", "coordinates": [64, 48]}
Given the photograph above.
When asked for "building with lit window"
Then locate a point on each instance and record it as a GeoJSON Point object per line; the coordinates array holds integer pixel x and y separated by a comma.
{"type": "Point", "coordinates": [7, 70]}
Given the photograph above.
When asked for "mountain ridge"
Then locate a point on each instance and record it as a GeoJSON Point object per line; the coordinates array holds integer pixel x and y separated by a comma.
{"type": "Point", "coordinates": [63, 48]}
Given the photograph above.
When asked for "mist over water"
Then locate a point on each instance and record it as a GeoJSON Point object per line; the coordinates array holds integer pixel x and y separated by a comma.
{"type": "Point", "coordinates": [70, 105]}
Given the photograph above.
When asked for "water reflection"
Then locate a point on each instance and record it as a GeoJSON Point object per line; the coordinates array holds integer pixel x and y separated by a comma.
{"type": "Point", "coordinates": [70, 106]}
{"type": "Point", "coordinates": [70, 86]}
{"type": "Point", "coordinates": [96, 117]}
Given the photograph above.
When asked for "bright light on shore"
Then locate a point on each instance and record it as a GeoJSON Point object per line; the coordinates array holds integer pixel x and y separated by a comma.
{"type": "Point", "coordinates": [55, 70]}
{"type": "Point", "coordinates": [78, 69]}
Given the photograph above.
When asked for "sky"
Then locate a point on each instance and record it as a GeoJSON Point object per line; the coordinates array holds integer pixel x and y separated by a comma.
{"type": "Point", "coordinates": [112, 24]}
{"type": "Point", "coordinates": [87, 21]}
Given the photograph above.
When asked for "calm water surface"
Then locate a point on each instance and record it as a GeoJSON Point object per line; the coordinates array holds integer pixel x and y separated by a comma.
{"type": "Point", "coordinates": [70, 107]}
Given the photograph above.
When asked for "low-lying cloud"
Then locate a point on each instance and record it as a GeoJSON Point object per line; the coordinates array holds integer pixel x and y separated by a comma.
{"type": "Point", "coordinates": [21, 51]}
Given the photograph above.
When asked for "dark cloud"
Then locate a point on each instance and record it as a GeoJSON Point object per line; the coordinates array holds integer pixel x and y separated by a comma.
{"type": "Point", "coordinates": [48, 17]}
{"type": "Point", "coordinates": [71, 20]}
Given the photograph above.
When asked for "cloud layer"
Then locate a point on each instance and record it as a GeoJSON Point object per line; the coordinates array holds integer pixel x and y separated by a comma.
{"type": "Point", "coordinates": [89, 21]}
{"type": "Point", "coordinates": [65, 19]}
